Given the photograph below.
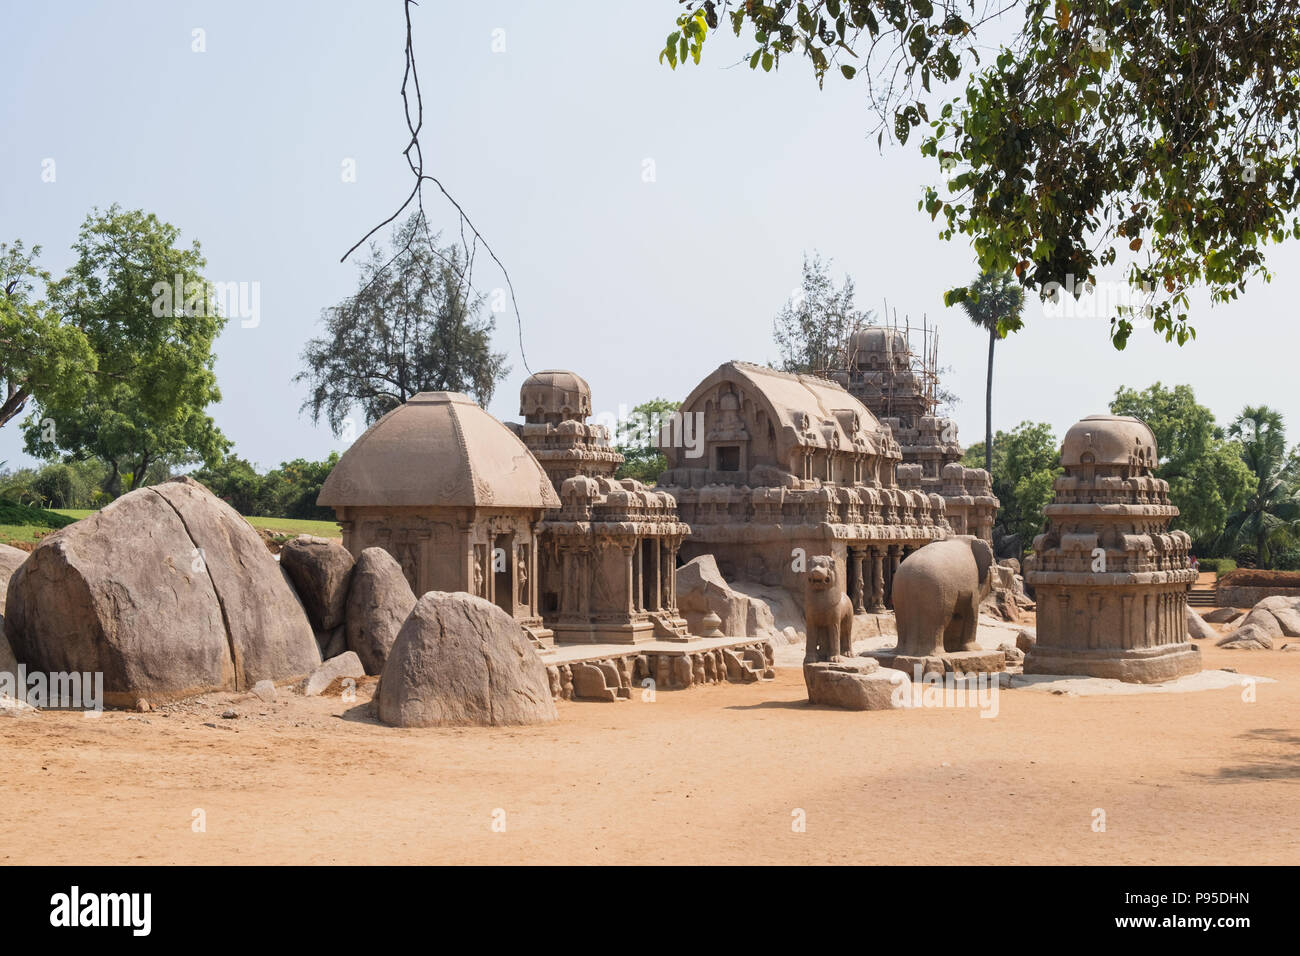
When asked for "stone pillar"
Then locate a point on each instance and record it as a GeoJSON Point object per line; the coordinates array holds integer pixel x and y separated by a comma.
{"type": "Point", "coordinates": [856, 557]}
{"type": "Point", "coordinates": [895, 559]}
{"type": "Point", "coordinates": [659, 575]}
{"type": "Point", "coordinates": [877, 581]}
{"type": "Point", "coordinates": [629, 559]}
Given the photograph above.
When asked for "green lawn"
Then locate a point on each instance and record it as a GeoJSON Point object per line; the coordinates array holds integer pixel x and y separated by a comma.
{"type": "Point", "coordinates": [325, 529]}
{"type": "Point", "coordinates": [9, 533]}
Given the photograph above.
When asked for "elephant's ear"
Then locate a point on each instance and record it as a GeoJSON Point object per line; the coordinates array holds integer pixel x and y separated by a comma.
{"type": "Point", "coordinates": [983, 552]}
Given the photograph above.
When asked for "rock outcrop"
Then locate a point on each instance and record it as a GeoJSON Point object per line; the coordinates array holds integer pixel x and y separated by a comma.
{"type": "Point", "coordinates": [461, 661]}
{"type": "Point", "coordinates": [168, 592]}
{"type": "Point", "coordinates": [10, 558]}
{"type": "Point", "coordinates": [702, 590]}
{"type": "Point", "coordinates": [1197, 628]}
{"type": "Point", "coordinates": [379, 602]}
{"type": "Point", "coordinates": [321, 570]}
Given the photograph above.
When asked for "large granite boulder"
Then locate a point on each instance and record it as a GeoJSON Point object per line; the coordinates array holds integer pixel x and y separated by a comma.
{"type": "Point", "coordinates": [379, 602]}
{"type": "Point", "coordinates": [1249, 637]}
{"type": "Point", "coordinates": [10, 558]}
{"type": "Point", "coordinates": [321, 570]}
{"type": "Point", "coordinates": [1197, 629]}
{"type": "Point", "coordinates": [462, 661]}
{"type": "Point", "coordinates": [702, 590]}
{"type": "Point", "coordinates": [168, 592]}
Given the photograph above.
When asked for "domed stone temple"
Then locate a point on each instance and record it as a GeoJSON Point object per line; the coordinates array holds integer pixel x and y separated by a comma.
{"type": "Point", "coordinates": [454, 496]}
{"type": "Point", "coordinates": [1109, 576]}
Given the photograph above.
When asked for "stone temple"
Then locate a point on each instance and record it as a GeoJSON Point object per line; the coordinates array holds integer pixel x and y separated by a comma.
{"type": "Point", "coordinates": [882, 371]}
{"type": "Point", "coordinates": [454, 496]}
{"type": "Point", "coordinates": [1109, 576]}
{"type": "Point", "coordinates": [609, 551]}
{"type": "Point", "coordinates": [770, 468]}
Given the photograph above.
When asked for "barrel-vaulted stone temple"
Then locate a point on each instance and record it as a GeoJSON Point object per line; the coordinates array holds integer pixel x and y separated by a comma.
{"type": "Point", "coordinates": [783, 467]}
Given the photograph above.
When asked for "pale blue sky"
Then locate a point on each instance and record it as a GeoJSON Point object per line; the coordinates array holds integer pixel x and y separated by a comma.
{"type": "Point", "coordinates": [641, 287]}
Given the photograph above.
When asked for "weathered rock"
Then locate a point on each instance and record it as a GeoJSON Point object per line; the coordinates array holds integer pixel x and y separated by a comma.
{"type": "Point", "coordinates": [1262, 618]}
{"type": "Point", "coordinates": [332, 643]}
{"type": "Point", "coordinates": [1013, 654]}
{"type": "Point", "coordinates": [702, 590]}
{"type": "Point", "coordinates": [321, 570]}
{"type": "Point", "coordinates": [1286, 610]}
{"type": "Point", "coordinates": [856, 683]}
{"type": "Point", "coordinates": [10, 558]}
{"type": "Point", "coordinates": [1197, 628]}
{"type": "Point", "coordinates": [461, 661]}
{"type": "Point", "coordinates": [1250, 637]}
{"type": "Point", "coordinates": [167, 591]}
{"type": "Point", "coordinates": [1224, 615]}
{"type": "Point", "coordinates": [379, 602]}
{"type": "Point", "coordinates": [345, 665]}
{"type": "Point", "coordinates": [264, 690]}
{"type": "Point", "coordinates": [1026, 639]}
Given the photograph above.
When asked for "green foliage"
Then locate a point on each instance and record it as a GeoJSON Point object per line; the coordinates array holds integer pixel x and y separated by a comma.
{"type": "Point", "coordinates": [812, 329]}
{"type": "Point", "coordinates": [638, 440]}
{"type": "Point", "coordinates": [1026, 461]}
{"type": "Point", "coordinates": [995, 304]}
{"type": "Point", "coordinates": [42, 357]}
{"type": "Point", "coordinates": [413, 325]}
{"type": "Point", "coordinates": [1219, 566]}
{"type": "Point", "coordinates": [289, 491]}
{"type": "Point", "coordinates": [1156, 136]}
{"type": "Point", "coordinates": [12, 513]}
{"type": "Point", "coordinates": [1208, 479]}
{"type": "Point", "coordinates": [154, 365]}
{"type": "Point", "coordinates": [1270, 518]}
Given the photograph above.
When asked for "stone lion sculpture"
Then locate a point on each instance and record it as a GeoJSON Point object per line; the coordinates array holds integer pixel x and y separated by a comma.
{"type": "Point", "coordinates": [937, 593]}
{"type": "Point", "coordinates": [828, 614]}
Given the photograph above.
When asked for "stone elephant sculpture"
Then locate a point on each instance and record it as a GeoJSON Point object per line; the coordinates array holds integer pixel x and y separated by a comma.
{"type": "Point", "coordinates": [937, 593]}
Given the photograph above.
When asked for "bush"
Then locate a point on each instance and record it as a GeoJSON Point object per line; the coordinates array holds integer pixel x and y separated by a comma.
{"type": "Point", "coordinates": [1288, 560]}
{"type": "Point", "coordinates": [1219, 566]}
{"type": "Point", "coordinates": [13, 513]}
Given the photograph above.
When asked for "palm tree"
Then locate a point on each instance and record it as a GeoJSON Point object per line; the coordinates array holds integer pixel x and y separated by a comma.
{"type": "Point", "coordinates": [1274, 508]}
{"type": "Point", "coordinates": [994, 304]}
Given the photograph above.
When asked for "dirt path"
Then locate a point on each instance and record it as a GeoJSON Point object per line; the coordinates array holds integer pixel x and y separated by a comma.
{"type": "Point", "coordinates": [711, 775]}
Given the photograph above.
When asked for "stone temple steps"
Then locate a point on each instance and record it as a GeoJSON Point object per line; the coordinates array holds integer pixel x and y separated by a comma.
{"type": "Point", "coordinates": [1202, 597]}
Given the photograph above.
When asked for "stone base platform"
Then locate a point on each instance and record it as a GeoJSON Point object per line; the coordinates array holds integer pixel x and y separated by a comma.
{"type": "Point", "coordinates": [856, 683]}
{"type": "Point", "coordinates": [612, 672]}
{"type": "Point", "coordinates": [1143, 665]}
{"type": "Point", "coordinates": [955, 662]}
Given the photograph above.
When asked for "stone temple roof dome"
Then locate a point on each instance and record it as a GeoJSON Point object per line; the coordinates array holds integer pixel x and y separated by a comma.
{"type": "Point", "coordinates": [439, 449]}
{"type": "Point", "coordinates": [555, 395]}
{"type": "Point", "coordinates": [1109, 440]}
{"type": "Point", "coordinates": [888, 345]}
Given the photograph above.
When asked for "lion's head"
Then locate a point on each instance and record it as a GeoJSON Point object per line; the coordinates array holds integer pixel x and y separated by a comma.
{"type": "Point", "coordinates": [821, 573]}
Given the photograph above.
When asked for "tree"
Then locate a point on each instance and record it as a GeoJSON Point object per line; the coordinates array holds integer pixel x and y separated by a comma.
{"type": "Point", "coordinates": [41, 356]}
{"type": "Point", "coordinates": [150, 318]}
{"type": "Point", "coordinates": [812, 329]}
{"type": "Point", "coordinates": [1273, 510]}
{"type": "Point", "coordinates": [1208, 480]}
{"type": "Point", "coordinates": [1160, 132]}
{"type": "Point", "coordinates": [638, 440]}
{"type": "Point", "coordinates": [1025, 463]}
{"type": "Point", "coordinates": [995, 306]}
{"type": "Point", "coordinates": [413, 325]}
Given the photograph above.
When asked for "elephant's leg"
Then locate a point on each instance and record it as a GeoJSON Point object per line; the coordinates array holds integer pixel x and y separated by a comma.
{"type": "Point", "coordinates": [972, 624]}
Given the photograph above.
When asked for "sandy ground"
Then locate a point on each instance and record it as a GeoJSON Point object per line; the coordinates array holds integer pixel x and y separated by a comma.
{"type": "Point", "coordinates": [711, 775]}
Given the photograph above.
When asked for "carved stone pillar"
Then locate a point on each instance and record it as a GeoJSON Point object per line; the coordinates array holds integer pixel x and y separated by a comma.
{"type": "Point", "coordinates": [877, 571]}
{"type": "Point", "coordinates": [895, 559]}
{"type": "Point", "coordinates": [856, 556]}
